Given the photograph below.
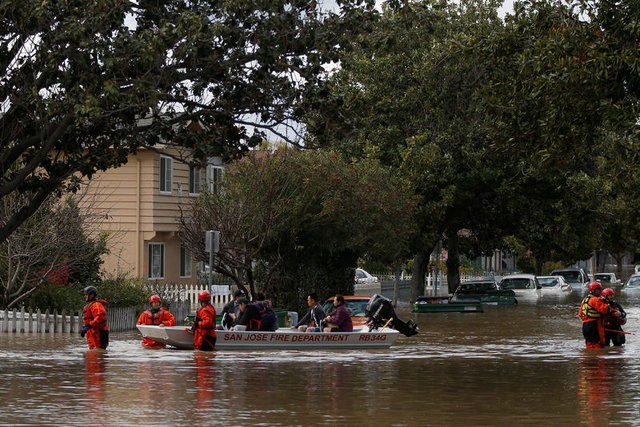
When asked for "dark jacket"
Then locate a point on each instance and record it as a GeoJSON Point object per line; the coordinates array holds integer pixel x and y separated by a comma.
{"type": "Point", "coordinates": [341, 317]}
{"type": "Point", "coordinates": [315, 315]}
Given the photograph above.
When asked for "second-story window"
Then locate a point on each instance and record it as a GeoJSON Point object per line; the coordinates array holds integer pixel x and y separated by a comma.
{"type": "Point", "coordinates": [214, 177]}
{"type": "Point", "coordinates": [166, 166]}
{"type": "Point", "coordinates": [195, 181]}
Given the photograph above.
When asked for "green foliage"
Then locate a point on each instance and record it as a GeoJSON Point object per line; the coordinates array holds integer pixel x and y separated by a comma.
{"type": "Point", "coordinates": [305, 217]}
{"type": "Point", "coordinates": [85, 83]}
{"type": "Point", "coordinates": [45, 259]}
{"type": "Point", "coordinates": [123, 292]}
{"type": "Point", "coordinates": [58, 298]}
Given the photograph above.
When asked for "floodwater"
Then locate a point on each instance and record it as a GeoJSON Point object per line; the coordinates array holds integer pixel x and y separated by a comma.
{"type": "Point", "coordinates": [508, 366]}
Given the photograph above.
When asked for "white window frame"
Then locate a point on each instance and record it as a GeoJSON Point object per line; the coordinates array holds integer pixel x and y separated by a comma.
{"type": "Point", "coordinates": [195, 180]}
{"type": "Point", "coordinates": [166, 174]}
{"type": "Point", "coordinates": [214, 176]}
{"type": "Point", "coordinates": [155, 260]}
{"type": "Point", "coordinates": [186, 262]}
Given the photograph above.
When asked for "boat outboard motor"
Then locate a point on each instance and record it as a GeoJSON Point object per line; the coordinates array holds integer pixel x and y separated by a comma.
{"type": "Point", "coordinates": [380, 309]}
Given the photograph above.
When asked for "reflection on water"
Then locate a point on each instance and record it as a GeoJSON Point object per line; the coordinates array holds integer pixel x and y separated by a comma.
{"type": "Point", "coordinates": [521, 365]}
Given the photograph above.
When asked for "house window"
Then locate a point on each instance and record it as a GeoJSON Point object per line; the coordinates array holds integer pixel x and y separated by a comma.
{"type": "Point", "coordinates": [156, 260]}
{"type": "Point", "coordinates": [166, 165]}
{"type": "Point", "coordinates": [185, 262]}
{"type": "Point", "coordinates": [214, 178]}
{"type": "Point", "coordinates": [194, 180]}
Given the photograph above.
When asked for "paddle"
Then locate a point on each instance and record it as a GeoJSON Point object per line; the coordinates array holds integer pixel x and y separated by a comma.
{"type": "Point", "coordinates": [620, 332]}
{"type": "Point", "coordinates": [386, 324]}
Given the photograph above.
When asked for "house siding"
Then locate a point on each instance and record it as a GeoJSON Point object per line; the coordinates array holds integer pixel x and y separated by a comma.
{"type": "Point", "coordinates": [130, 207]}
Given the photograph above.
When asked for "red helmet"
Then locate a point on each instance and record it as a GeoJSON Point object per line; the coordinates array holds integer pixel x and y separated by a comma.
{"type": "Point", "coordinates": [594, 285]}
{"type": "Point", "coordinates": [154, 298]}
{"type": "Point", "coordinates": [608, 293]}
{"type": "Point", "coordinates": [204, 296]}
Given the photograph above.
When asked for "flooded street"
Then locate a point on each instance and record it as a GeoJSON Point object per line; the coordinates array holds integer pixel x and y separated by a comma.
{"type": "Point", "coordinates": [521, 365]}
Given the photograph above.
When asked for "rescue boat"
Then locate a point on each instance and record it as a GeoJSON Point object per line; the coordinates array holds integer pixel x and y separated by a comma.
{"type": "Point", "coordinates": [284, 338]}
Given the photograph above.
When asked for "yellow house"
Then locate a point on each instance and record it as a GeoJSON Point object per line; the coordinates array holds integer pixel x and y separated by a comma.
{"type": "Point", "coordinates": [138, 206]}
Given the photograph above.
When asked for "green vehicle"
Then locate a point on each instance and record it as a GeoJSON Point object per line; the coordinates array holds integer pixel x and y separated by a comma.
{"type": "Point", "coordinates": [442, 304]}
{"type": "Point", "coordinates": [485, 291]}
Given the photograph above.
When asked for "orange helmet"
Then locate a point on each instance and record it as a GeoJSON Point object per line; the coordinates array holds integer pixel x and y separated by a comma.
{"type": "Point", "coordinates": [608, 293]}
{"type": "Point", "coordinates": [154, 298]}
{"type": "Point", "coordinates": [204, 296]}
{"type": "Point", "coordinates": [594, 286]}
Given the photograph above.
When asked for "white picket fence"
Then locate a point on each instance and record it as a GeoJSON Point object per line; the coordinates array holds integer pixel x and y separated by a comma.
{"type": "Point", "coordinates": [118, 319]}
{"type": "Point", "coordinates": [220, 294]}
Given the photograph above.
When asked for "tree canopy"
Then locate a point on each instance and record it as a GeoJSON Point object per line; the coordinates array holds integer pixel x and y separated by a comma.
{"type": "Point", "coordinates": [87, 82]}
{"type": "Point", "coordinates": [301, 220]}
{"type": "Point", "coordinates": [504, 127]}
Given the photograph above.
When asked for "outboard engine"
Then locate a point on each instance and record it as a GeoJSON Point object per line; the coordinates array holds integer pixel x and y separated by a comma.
{"type": "Point", "coordinates": [380, 309]}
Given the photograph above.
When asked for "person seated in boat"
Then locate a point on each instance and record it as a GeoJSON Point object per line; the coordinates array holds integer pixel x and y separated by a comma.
{"type": "Point", "coordinates": [269, 319]}
{"type": "Point", "coordinates": [156, 315]}
{"type": "Point", "coordinates": [255, 317]}
{"type": "Point", "coordinates": [204, 327]}
{"type": "Point", "coordinates": [231, 311]}
{"type": "Point", "coordinates": [315, 314]}
{"type": "Point", "coordinates": [339, 320]}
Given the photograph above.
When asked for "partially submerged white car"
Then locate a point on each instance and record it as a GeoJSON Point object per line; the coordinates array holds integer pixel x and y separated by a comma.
{"type": "Point", "coordinates": [554, 286]}
{"type": "Point", "coordinates": [525, 286]}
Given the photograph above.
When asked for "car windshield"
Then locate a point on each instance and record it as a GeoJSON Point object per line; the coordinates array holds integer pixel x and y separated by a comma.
{"type": "Point", "coordinates": [476, 287]}
{"type": "Point", "coordinates": [548, 282]}
{"type": "Point", "coordinates": [570, 276]}
{"type": "Point", "coordinates": [634, 282]}
{"type": "Point", "coordinates": [603, 278]}
{"type": "Point", "coordinates": [356, 307]}
{"type": "Point", "coordinates": [516, 283]}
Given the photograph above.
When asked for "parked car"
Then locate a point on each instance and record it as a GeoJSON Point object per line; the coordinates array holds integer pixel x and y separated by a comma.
{"type": "Point", "coordinates": [632, 285]}
{"type": "Point", "coordinates": [525, 286]}
{"type": "Point", "coordinates": [554, 285]}
{"type": "Point", "coordinates": [357, 306]}
{"type": "Point", "coordinates": [576, 277]}
{"type": "Point", "coordinates": [364, 277]}
{"type": "Point", "coordinates": [608, 280]}
{"type": "Point", "coordinates": [486, 291]}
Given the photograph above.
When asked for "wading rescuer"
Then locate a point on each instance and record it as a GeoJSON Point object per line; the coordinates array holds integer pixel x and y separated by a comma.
{"type": "Point", "coordinates": [156, 315]}
{"type": "Point", "coordinates": [94, 318]}
{"type": "Point", "coordinates": [204, 328]}
{"type": "Point", "coordinates": [593, 310]}
{"type": "Point", "coordinates": [613, 333]}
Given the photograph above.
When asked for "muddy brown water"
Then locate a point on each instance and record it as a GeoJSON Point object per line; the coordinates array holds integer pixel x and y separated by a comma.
{"type": "Point", "coordinates": [508, 366]}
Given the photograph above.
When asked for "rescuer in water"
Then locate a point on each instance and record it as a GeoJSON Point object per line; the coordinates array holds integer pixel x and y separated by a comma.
{"type": "Point", "coordinates": [156, 315]}
{"type": "Point", "coordinates": [613, 333]}
{"type": "Point", "coordinates": [593, 310]}
{"type": "Point", "coordinates": [204, 327]}
{"type": "Point", "coordinates": [94, 320]}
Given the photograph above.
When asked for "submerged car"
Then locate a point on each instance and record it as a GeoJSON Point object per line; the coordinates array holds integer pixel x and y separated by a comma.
{"type": "Point", "coordinates": [632, 285]}
{"type": "Point", "coordinates": [575, 277]}
{"type": "Point", "coordinates": [525, 286]}
{"type": "Point", "coordinates": [608, 280]}
{"type": "Point", "coordinates": [486, 291]}
{"type": "Point", "coordinates": [554, 285]}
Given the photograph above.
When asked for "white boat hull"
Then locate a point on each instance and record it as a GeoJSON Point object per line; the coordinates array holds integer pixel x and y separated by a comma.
{"type": "Point", "coordinates": [180, 337]}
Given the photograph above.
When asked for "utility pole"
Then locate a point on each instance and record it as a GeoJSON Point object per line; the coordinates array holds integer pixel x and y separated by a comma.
{"type": "Point", "coordinates": [211, 245]}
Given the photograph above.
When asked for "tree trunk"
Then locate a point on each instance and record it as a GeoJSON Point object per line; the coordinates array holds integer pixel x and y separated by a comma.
{"type": "Point", "coordinates": [453, 261]}
{"type": "Point", "coordinates": [418, 273]}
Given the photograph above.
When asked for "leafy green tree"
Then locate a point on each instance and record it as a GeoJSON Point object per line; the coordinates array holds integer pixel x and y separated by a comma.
{"type": "Point", "coordinates": [408, 96]}
{"type": "Point", "coordinates": [47, 261]}
{"type": "Point", "coordinates": [297, 221]}
{"type": "Point", "coordinates": [84, 83]}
